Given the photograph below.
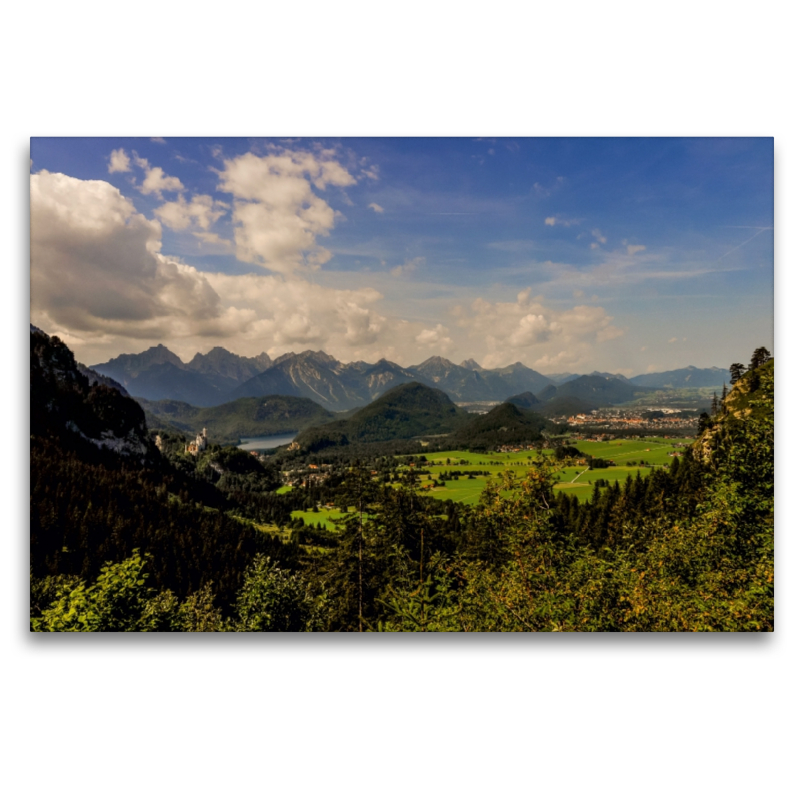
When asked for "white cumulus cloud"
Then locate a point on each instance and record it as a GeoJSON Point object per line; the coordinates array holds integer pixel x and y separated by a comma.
{"type": "Point", "coordinates": [96, 265]}
{"type": "Point", "coordinates": [529, 331]}
{"type": "Point", "coordinates": [119, 161]}
{"type": "Point", "coordinates": [435, 338]}
{"type": "Point", "coordinates": [276, 213]}
{"type": "Point", "coordinates": [201, 211]}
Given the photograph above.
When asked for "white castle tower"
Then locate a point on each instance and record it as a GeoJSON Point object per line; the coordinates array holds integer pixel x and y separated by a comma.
{"type": "Point", "coordinates": [199, 444]}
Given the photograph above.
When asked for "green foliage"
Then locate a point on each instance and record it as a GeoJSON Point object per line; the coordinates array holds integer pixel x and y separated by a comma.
{"type": "Point", "coordinates": [273, 599]}
{"type": "Point", "coordinates": [118, 601]}
{"type": "Point", "coordinates": [504, 424]}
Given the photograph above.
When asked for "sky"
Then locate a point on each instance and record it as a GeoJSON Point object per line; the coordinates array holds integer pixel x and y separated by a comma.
{"type": "Point", "coordinates": [567, 254]}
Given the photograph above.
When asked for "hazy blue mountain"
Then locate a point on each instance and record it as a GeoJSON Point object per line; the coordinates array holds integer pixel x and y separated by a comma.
{"type": "Point", "coordinates": [617, 375]}
{"type": "Point", "coordinates": [133, 364]}
{"type": "Point", "coordinates": [469, 382]}
{"type": "Point", "coordinates": [221, 362]}
{"type": "Point", "coordinates": [689, 377]}
{"type": "Point", "coordinates": [563, 377]}
{"type": "Point", "coordinates": [520, 378]}
{"type": "Point", "coordinates": [159, 374]}
{"type": "Point", "coordinates": [592, 388]}
{"type": "Point", "coordinates": [461, 383]}
{"type": "Point", "coordinates": [325, 380]}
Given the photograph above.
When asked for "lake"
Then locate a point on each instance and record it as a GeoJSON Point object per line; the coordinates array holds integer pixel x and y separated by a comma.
{"type": "Point", "coordinates": [267, 442]}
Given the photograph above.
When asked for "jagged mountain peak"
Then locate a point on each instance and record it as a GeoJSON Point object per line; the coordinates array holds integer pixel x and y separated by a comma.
{"type": "Point", "coordinates": [158, 354]}
{"type": "Point", "coordinates": [470, 363]}
{"type": "Point", "coordinates": [435, 361]}
{"type": "Point", "coordinates": [316, 356]}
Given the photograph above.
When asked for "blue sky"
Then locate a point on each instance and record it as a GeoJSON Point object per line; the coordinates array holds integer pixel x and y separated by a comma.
{"type": "Point", "coordinates": [571, 254]}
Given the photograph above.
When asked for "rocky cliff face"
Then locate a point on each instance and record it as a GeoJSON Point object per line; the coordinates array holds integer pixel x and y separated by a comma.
{"type": "Point", "coordinates": [70, 406]}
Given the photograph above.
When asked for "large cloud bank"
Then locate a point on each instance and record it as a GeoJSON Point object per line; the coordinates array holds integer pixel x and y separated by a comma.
{"type": "Point", "coordinates": [100, 280]}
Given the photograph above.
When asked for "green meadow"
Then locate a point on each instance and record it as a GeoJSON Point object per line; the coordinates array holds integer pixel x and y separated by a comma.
{"type": "Point", "coordinates": [577, 480]}
{"type": "Point", "coordinates": [323, 517]}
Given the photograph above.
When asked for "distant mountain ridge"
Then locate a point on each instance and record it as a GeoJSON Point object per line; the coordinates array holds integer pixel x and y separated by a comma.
{"type": "Point", "coordinates": [592, 388]}
{"type": "Point", "coordinates": [159, 374]}
{"type": "Point", "coordinates": [689, 378]}
{"type": "Point", "coordinates": [220, 376]}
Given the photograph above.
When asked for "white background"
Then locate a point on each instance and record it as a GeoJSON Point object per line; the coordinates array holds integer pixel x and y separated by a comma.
{"type": "Point", "coordinates": [482, 716]}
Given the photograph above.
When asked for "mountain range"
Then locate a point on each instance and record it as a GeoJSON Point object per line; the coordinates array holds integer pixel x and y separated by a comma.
{"type": "Point", "coordinates": [221, 376]}
{"type": "Point", "coordinates": [688, 378]}
{"type": "Point", "coordinates": [158, 374]}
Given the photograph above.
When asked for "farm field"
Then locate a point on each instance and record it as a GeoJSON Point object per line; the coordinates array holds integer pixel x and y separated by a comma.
{"type": "Point", "coordinates": [580, 480]}
{"type": "Point", "coordinates": [574, 480]}
{"type": "Point", "coordinates": [653, 451]}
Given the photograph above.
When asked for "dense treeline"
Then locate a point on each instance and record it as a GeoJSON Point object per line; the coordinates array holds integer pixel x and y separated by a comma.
{"type": "Point", "coordinates": [85, 514]}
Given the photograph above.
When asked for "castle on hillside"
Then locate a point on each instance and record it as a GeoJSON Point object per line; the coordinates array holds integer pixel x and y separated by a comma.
{"type": "Point", "coordinates": [199, 444]}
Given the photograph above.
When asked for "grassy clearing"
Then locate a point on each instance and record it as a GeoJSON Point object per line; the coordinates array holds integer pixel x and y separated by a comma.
{"type": "Point", "coordinates": [272, 530]}
{"type": "Point", "coordinates": [284, 489]}
{"type": "Point", "coordinates": [324, 517]}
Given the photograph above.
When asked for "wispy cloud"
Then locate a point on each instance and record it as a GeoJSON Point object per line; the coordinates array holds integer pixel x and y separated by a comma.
{"type": "Point", "coordinates": [409, 267]}
{"type": "Point", "coordinates": [513, 245]}
{"type": "Point", "coordinates": [554, 220]}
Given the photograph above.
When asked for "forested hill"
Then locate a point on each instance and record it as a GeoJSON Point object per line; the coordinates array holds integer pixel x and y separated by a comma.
{"type": "Point", "coordinates": [244, 418]}
{"type": "Point", "coordinates": [405, 411]}
{"type": "Point", "coordinates": [504, 424]}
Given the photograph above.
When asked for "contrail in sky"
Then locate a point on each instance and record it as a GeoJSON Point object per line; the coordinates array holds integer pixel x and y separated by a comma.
{"type": "Point", "coordinates": [758, 233]}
